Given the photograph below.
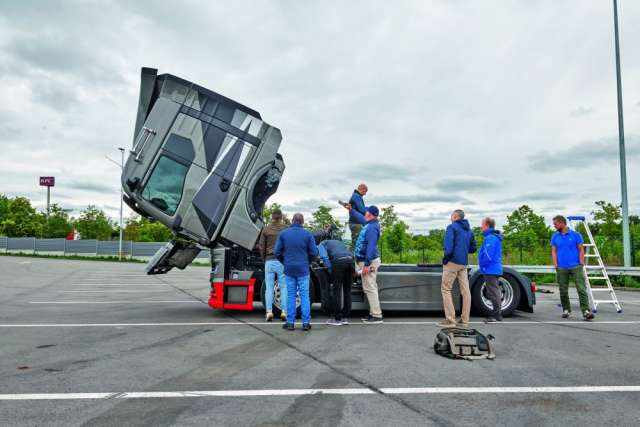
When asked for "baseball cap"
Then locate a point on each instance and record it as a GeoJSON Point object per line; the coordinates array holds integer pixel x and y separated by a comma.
{"type": "Point", "coordinates": [373, 210]}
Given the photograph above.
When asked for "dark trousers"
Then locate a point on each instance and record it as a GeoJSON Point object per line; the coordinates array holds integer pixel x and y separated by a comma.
{"type": "Point", "coordinates": [495, 295]}
{"type": "Point", "coordinates": [340, 289]}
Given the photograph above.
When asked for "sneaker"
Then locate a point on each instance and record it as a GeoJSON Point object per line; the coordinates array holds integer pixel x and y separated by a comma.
{"type": "Point", "coordinates": [288, 326]}
{"type": "Point", "coordinates": [446, 324]}
{"type": "Point", "coordinates": [344, 321]}
{"type": "Point", "coordinates": [490, 320]}
{"type": "Point", "coordinates": [269, 316]}
{"type": "Point", "coordinates": [566, 314]}
{"type": "Point", "coordinates": [333, 322]}
{"type": "Point", "coordinates": [588, 315]}
{"type": "Point", "coordinates": [372, 319]}
{"type": "Point", "coordinates": [283, 316]}
{"type": "Point", "coordinates": [306, 326]}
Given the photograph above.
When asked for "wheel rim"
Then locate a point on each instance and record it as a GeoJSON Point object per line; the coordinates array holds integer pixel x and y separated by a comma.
{"type": "Point", "coordinates": [506, 289]}
{"type": "Point", "coordinates": [276, 297]}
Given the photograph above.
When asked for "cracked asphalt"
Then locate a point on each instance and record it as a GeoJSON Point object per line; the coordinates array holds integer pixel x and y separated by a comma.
{"type": "Point", "coordinates": [86, 327]}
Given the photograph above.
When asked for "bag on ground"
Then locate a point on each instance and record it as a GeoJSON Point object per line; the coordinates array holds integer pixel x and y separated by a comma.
{"type": "Point", "coordinates": [468, 344]}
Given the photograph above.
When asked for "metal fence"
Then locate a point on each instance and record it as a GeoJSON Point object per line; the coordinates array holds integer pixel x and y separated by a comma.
{"type": "Point", "coordinates": [130, 249]}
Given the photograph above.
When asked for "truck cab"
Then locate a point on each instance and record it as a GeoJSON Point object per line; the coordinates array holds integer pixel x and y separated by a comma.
{"type": "Point", "coordinates": [201, 164]}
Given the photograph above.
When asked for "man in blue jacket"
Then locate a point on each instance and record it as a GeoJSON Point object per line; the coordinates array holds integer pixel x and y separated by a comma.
{"type": "Point", "coordinates": [357, 203]}
{"type": "Point", "coordinates": [490, 262]}
{"type": "Point", "coordinates": [339, 261]}
{"type": "Point", "coordinates": [458, 244]}
{"type": "Point", "coordinates": [368, 258]}
{"type": "Point", "coordinates": [296, 248]}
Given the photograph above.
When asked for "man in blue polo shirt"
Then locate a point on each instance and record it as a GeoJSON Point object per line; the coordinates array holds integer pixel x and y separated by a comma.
{"type": "Point", "coordinates": [567, 251]}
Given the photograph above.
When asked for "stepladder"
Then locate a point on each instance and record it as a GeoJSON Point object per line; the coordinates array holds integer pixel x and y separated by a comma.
{"type": "Point", "coordinates": [597, 279]}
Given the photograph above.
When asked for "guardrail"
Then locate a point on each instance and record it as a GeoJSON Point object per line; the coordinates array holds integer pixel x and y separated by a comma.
{"type": "Point", "coordinates": [542, 269]}
{"type": "Point", "coordinates": [130, 249]}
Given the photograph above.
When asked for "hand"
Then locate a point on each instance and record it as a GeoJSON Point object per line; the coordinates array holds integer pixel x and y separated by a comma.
{"type": "Point", "coordinates": [366, 269]}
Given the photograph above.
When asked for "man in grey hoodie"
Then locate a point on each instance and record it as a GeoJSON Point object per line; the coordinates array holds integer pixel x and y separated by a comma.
{"type": "Point", "coordinates": [459, 242]}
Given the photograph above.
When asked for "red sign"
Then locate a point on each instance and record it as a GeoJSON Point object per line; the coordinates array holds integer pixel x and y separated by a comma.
{"type": "Point", "coordinates": [48, 181]}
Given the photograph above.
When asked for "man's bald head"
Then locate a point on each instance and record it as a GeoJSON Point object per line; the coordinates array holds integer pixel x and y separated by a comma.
{"type": "Point", "coordinates": [362, 189]}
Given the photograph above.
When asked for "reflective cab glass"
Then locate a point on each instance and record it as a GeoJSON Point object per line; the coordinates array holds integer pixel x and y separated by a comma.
{"type": "Point", "coordinates": [164, 187]}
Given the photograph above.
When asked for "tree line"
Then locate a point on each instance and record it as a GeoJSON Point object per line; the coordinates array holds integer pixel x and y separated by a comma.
{"type": "Point", "coordinates": [18, 218]}
{"type": "Point", "coordinates": [526, 232]}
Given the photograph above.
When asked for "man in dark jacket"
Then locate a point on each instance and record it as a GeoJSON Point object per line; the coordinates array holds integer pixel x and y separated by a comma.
{"type": "Point", "coordinates": [458, 244]}
{"type": "Point", "coordinates": [272, 267]}
{"type": "Point", "coordinates": [339, 261]}
{"type": "Point", "coordinates": [490, 263]}
{"type": "Point", "coordinates": [368, 259]}
{"type": "Point", "coordinates": [296, 249]}
{"type": "Point", "coordinates": [357, 203]}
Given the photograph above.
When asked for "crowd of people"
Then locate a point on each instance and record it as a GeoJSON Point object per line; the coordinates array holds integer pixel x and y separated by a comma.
{"type": "Point", "coordinates": [290, 249]}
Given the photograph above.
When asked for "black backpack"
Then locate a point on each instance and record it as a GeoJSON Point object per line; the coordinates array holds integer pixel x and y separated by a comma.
{"type": "Point", "coordinates": [468, 344]}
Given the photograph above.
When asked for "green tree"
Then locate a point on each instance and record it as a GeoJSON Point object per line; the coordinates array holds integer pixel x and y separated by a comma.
{"type": "Point", "coordinates": [58, 224]}
{"type": "Point", "coordinates": [388, 217]}
{"type": "Point", "coordinates": [93, 223]}
{"type": "Point", "coordinates": [607, 219]}
{"type": "Point", "coordinates": [525, 229]}
{"type": "Point", "coordinates": [20, 219]}
{"type": "Point", "coordinates": [141, 229]}
{"type": "Point", "coordinates": [321, 219]}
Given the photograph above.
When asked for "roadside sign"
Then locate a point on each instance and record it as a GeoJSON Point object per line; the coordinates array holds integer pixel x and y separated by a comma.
{"type": "Point", "coordinates": [48, 181]}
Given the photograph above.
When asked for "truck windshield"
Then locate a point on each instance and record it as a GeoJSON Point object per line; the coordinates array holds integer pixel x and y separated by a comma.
{"type": "Point", "coordinates": [164, 187]}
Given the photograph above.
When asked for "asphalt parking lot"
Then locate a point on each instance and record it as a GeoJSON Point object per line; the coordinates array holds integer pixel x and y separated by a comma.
{"type": "Point", "coordinates": [100, 343]}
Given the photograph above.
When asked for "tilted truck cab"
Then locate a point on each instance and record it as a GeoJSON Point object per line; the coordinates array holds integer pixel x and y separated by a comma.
{"type": "Point", "coordinates": [201, 164]}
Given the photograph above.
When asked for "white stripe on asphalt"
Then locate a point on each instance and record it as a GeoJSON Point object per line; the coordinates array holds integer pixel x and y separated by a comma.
{"type": "Point", "coordinates": [317, 391]}
{"type": "Point", "coordinates": [117, 302]}
{"type": "Point", "coordinates": [120, 284]}
{"type": "Point", "coordinates": [101, 325]}
{"type": "Point", "coordinates": [117, 291]}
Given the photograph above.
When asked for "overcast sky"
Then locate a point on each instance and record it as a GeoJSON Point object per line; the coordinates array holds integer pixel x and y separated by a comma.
{"type": "Point", "coordinates": [435, 105]}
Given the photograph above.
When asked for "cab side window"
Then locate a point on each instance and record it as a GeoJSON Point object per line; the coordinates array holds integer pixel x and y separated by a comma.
{"type": "Point", "coordinates": [164, 187]}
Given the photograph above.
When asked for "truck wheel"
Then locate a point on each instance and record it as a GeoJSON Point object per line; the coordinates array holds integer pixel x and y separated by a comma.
{"type": "Point", "coordinates": [510, 296]}
{"type": "Point", "coordinates": [277, 302]}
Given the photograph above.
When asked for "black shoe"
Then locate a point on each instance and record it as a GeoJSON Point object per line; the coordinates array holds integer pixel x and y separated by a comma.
{"type": "Point", "coordinates": [306, 326]}
{"type": "Point", "coordinates": [288, 326]}
{"type": "Point", "coordinates": [566, 314]}
{"type": "Point", "coordinates": [588, 315]}
{"type": "Point", "coordinates": [372, 319]}
{"type": "Point", "coordinates": [490, 320]}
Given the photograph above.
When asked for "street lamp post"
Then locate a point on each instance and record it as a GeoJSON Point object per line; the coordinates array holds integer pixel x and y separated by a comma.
{"type": "Point", "coordinates": [121, 196]}
{"type": "Point", "coordinates": [626, 238]}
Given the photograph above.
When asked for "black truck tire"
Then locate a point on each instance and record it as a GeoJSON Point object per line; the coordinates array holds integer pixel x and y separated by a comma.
{"type": "Point", "coordinates": [510, 296]}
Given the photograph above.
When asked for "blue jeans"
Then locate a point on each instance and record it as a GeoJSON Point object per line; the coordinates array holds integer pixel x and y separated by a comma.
{"type": "Point", "coordinates": [300, 284]}
{"type": "Point", "coordinates": [272, 269]}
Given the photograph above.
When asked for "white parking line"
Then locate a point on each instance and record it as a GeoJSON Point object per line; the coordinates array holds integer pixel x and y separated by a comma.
{"type": "Point", "coordinates": [117, 302]}
{"type": "Point", "coordinates": [108, 325]}
{"type": "Point", "coordinates": [115, 291]}
{"type": "Point", "coordinates": [317, 391]}
{"type": "Point", "coordinates": [120, 284]}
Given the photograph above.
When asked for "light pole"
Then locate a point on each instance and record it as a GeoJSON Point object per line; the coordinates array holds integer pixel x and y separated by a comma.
{"type": "Point", "coordinates": [121, 195]}
{"type": "Point", "coordinates": [626, 238]}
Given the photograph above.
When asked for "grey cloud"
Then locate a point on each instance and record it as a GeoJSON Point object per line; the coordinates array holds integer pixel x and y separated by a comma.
{"type": "Point", "coordinates": [466, 183]}
{"type": "Point", "coordinates": [419, 198]}
{"type": "Point", "coordinates": [92, 186]}
{"type": "Point", "coordinates": [582, 111]}
{"type": "Point", "coordinates": [584, 155]}
{"type": "Point", "coordinates": [376, 172]}
{"type": "Point", "coordinates": [535, 197]}
{"type": "Point", "coordinates": [307, 205]}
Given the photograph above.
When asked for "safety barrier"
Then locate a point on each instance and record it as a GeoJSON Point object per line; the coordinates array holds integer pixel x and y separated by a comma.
{"type": "Point", "coordinates": [130, 249]}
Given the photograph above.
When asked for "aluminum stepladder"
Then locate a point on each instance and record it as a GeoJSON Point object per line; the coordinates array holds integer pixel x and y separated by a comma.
{"type": "Point", "coordinates": [595, 271]}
